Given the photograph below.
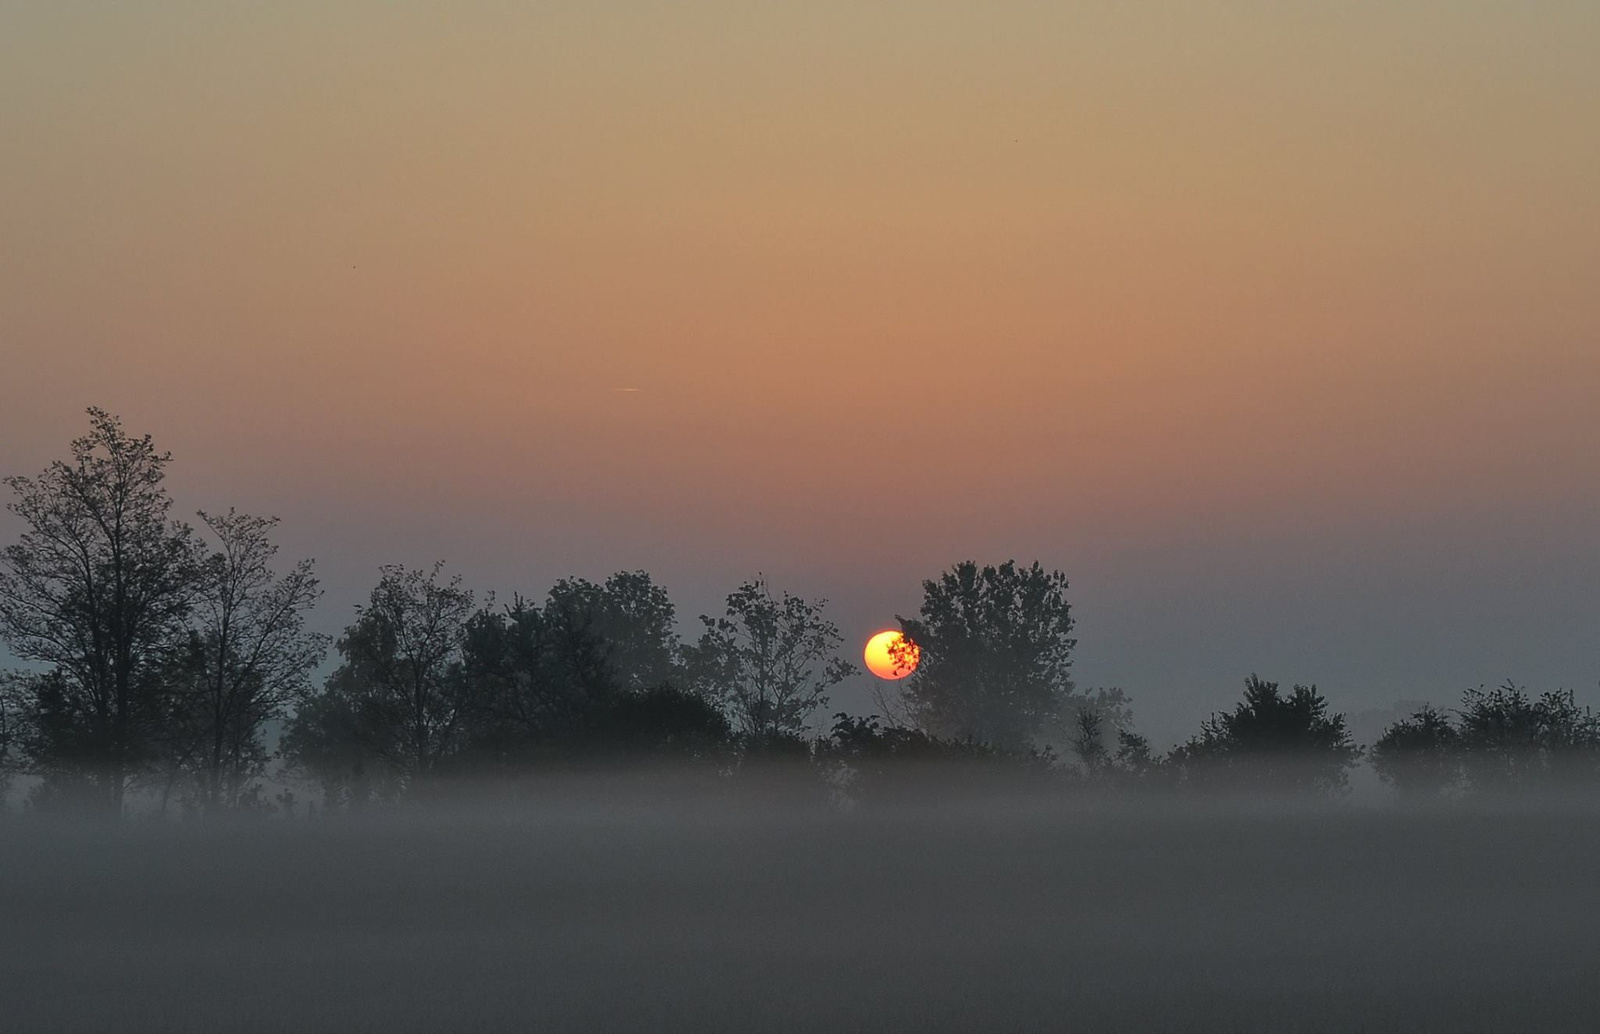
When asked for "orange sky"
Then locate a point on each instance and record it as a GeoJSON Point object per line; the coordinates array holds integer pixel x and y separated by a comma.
{"type": "Point", "coordinates": [1244, 314]}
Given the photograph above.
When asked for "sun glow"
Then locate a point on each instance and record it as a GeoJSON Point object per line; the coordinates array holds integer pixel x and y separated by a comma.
{"type": "Point", "coordinates": [890, 655]}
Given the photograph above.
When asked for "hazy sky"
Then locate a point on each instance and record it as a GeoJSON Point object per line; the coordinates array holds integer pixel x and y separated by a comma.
{"type": "Point", "coordinates": [1274, 324]}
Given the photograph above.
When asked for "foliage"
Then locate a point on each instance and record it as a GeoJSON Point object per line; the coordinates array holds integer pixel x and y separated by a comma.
{"type": "Point", "coordinates": [996, 656]}
{"type": "Point", "coordinates": [667, 723]}
{"type": "Point", "coordinates": [248, 657]}
{"type": "Point", "coordinates": [1271, 742]}
{"type": "Point", "coordinates": [635, 622]}
{"type": "Point", "coordinates": [1419, 755]}
{"type": "Point", "coordinates": [1510, 740]}
{"type": "Point", "coordinates": [1501, 740]}
{"type": "Point", "coordinates": [540, 678]}
{"type": "Point", "coordinates": [769, 661]}
{"type": "Point", "coordinates": [98, 588]}
{"type": "Point", "coordinates": [871, 761]}
{"type": "Point", "coordinates": [398, 698]}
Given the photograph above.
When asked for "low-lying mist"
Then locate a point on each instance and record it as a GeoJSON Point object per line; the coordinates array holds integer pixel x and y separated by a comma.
{"type": "Point", "coordinates": [642, 902]}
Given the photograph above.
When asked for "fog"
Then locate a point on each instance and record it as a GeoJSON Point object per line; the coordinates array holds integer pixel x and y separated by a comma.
{"type": "Point", "coordinates": [639, 904]}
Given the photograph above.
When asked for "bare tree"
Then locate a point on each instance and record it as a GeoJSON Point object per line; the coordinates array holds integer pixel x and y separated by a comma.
{"type": "Point", "coordinates": [770, 661]}
{"type": "Point", "coordinates": [249, 656]}
{"type": "Point", "coordinates": [98, 588]}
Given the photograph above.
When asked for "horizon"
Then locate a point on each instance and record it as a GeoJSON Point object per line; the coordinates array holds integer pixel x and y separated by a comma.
{"type": "Point", "coordinates": [1272, 327]}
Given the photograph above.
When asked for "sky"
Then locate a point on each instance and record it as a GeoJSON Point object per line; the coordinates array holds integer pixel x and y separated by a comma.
{"type": "Point", "coordinates": [1273, 324]}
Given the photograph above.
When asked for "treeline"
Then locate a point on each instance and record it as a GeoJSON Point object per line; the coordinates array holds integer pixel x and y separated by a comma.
{"type": "Point", "coordinates": [175, 660]}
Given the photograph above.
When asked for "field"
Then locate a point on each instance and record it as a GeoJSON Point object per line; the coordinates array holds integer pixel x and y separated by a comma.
{"type": "Point", "coordinates": [607, 911]}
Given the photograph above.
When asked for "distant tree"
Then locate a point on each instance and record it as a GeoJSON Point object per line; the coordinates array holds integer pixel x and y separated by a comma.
{"type": "Point", "coordinates": [1571, 739]}
{"type": "Point", "coordinates": [248, 657]}
{"type": "Point", "coordinates": [996, 657]}
{"type": "Point", "coordinates": [667, 723]}
{"type": "Point", "coordinates": [634, 620]}
{"type": "Point", "coordinates": [399, 699]}
{"type": "Point", "coordinates": [1088, 741]}
{"type": "Point", "coordinates": [1510, 740]}
{"type": "Point", "coordinates": [11, 695]}
{"type": "Point", "coordinates": [97, 589]}
{"type": "Point", "coordinates": [872, 761]}
{"type": "Point", "coordinates": [769, 661]}
{"type": "Point", "coordinates": [1419, 755]}
{"type": "Point", "coordinates": [1271, 742]}
{"type": "Point", "coordinates": [540, 679]}
{"type": "Point", "coordinates": [1133, 764]}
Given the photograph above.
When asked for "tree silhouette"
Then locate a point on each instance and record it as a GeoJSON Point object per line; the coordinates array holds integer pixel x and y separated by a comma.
{"type": "Point", "coordinates": [11, 696]}
{"type": "Point", "coordinates": [871, 761]}
{"type": "Point", "coordinates": [1510, 740]}
{"type": "Point", "coordinates": [667, 723]}
{"type": "Point", "coordinates": [769, 661]}
{"type": "Point", "coordinates": [635, 621]}
{"type": "Point", "coordinates": [399, 697]}
{"type": "Point", "coordinates": [1271, 742]}
{"type": "Point", "coordinates": [539, 678]}
{"type": "Point", "coordinates": [996, 655]}
{"type": "Point", "coordinates": [1419, 755]}
{"type": "Point", "coordinates": [248, 657]}
{"type": "Point", "coordinates": [97, 588]}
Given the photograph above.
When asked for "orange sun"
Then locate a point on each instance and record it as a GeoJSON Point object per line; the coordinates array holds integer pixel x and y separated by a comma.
{"type": "Point", "coordinates": [890, 655]}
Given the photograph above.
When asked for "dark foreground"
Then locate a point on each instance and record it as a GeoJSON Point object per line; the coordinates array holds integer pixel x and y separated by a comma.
{"type": "Point", "coordinates": [577, 915]}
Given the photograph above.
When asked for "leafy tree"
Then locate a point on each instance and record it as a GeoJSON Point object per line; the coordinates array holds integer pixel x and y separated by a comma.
{"type": "Point", "coordinates": [248, 657]}
{"type": "Point", "coordinates": [1272, 742]}
{"type": "Point", "coordinates": [97, 589]}
{"type": "Point", "coordinates": [667, 723]}
{"type": "Point", "coordinates": [634, 620]}
{"type": "Point", "coordinates": [996, 657]}
{"type": "Point", "coordinates": [872, 761]}
{"type": "Point", "coordinates": [1511, 740]}
{"type": "Point", "coordinates": [1134, 765]}
{"type": "Point", "coordinates": [540, 679]}
{"type": "Point", "coordinates": [1419, 755]}
{"type": "Point", "coordinates": [399, 697]}
{"type": "Point", "coordinates": [769, 661]}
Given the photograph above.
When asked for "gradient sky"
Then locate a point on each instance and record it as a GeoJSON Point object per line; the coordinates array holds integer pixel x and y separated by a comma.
{"type": "Point", "coordinates": [1275, 325]}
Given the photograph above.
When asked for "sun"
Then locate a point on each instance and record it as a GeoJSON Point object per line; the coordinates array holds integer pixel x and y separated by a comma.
{"type": "Point", "coordinates": [890, 655]}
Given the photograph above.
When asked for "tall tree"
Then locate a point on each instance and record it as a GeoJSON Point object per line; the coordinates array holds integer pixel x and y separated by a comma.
{"type": "Point", "coordinates": [539, 676]}
{"type": "Point", "coordinates": [996, 657]}
{"type": "Point", "coordinates": [97, 588]}
{"type": "Point", "coordinates": [398, 698]}
{"type": "Point", "coordinates": [633, 619]}
{"type": "Point", "coordinates": [769, 660]}
{"type": "Point", "coordinates": [249, 656]}
{"type": "Point", "coordinates": [1272, 741]}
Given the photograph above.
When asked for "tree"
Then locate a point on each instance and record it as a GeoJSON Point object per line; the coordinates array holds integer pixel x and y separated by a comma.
{"type": "Point", "coordinates": [634, 620]}
{"type": "Point", "coordinates": [11, 686]}
{"type": "Point", "coordinates": [248, 657]}
{"type": "Point", "coordinates": [1419, 755]}
{"type": "Point", "coordinates": [996, 657]}
{"type": "Point", "coordinates": [399, 697]}
{"type": "Point", "coordinates": [1510, 740]}
{"type": "Point", "coordinates": [1272, 742]}
{"type": "Point", "coordinates": [769, 661]}
{"type": "Point", "coordinates": [667, 723]}
{"type": "Point", "coordinates": [866, 760]}
{"type": "Point", "coordinates": [540, 679]}
{"type": "Point", "coordinates": [97, 589]}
